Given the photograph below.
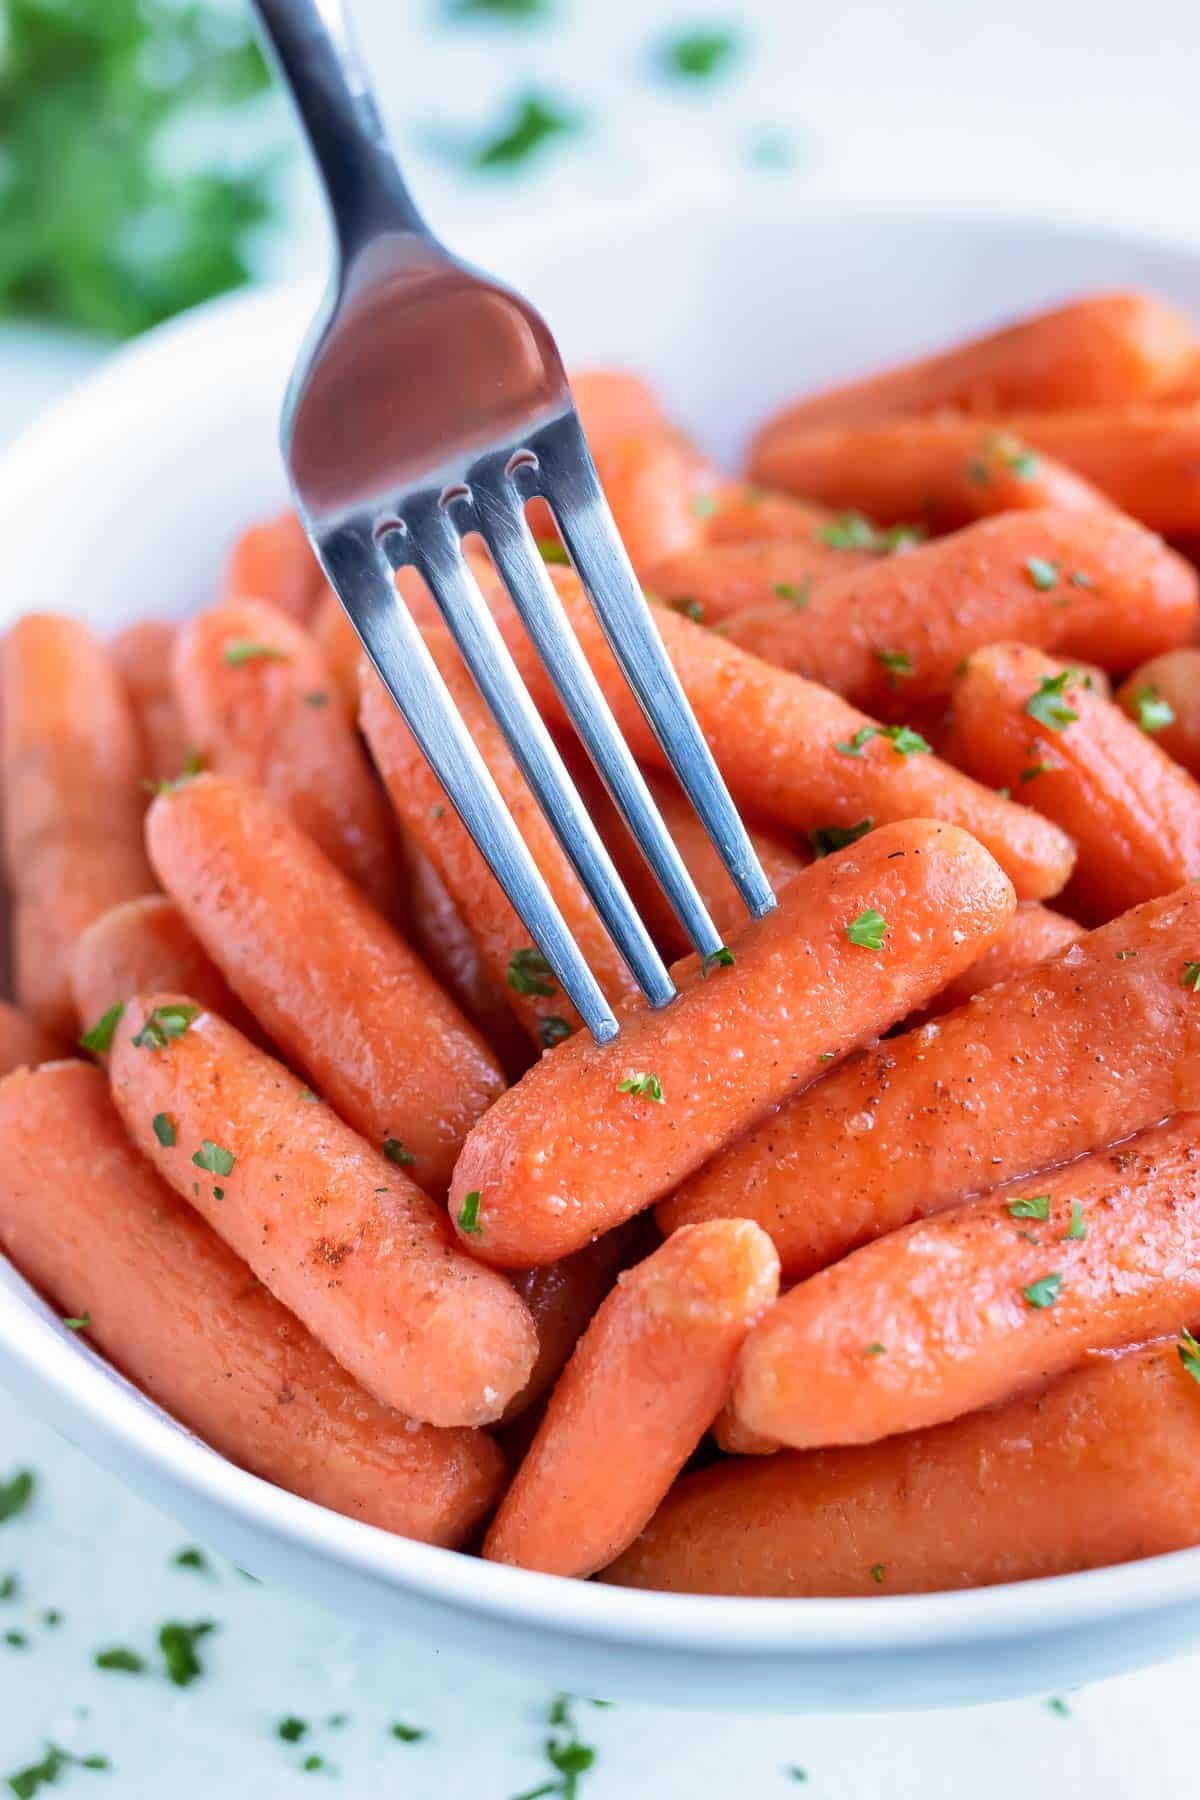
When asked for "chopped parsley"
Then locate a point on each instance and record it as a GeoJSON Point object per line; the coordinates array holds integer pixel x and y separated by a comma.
{"type": "Point", "coordinates": [875, 1349]}
{"type": "Point", "coordinates": [903, 739]}
{"type": "Point", "coordinates": [1043, 573]}
{"type": "Point", "coordinates": [1153, 712]}
{"type": "Point", "coordinates": [307, 1095]}
{"type": "Point", "coordinates": [703, 506]}
{"type": "Point", "coordinates": [898, 664]}
{"type": "Point", "coordinates": [1043, 1293]}
{"type": "Point", "coordinates": [868, 930]}
{"type": "Point", "coordinates": [15, 1495]}
{"type": "Point", "coordinates": [1189, 1354]}
{"type": "Point", "coordinates": [851, 531]}
{"type": "Point", "coordinates": [191, 1557]}
{"type": "Point", "coordinates": [313, 1763]}
{"type": "Point", "coordinates": [551, 550]}
{"type": "Point", "coordinates": [828, 838]}
{"type": "Point", "coordinates": [1036, 769]}
{"type": "Point", "coordinates": [163, 1126]}
{"type": "Point", "coordinates": [1048, 705]}
{"type": "Point", "coordinates": [877, 1572]}
{"type": "Point", "coordinates": [690, 609]}
{"type": "Point", "coordinates": [796, 595]}
{"type": "Point", "coordinates": [393, 1149]}
{"type": "Point", "coordinates": [9, 1586]}
{"type": "Point", "coordinates": [81, 1323]}
{"type": "Point", "coordinates": [213, 1158]}
{"type": "Point", "coordinates": [98, 1039]}
{"type": "Point", "coordinates": [243, 650]}
{"type": "Point", "coordinates": [698, 55]}
{"type": "Point", "coordinates": [178, 1645]}
{"type": "Point", "coordinates": [1009, 450]}
{"type": "Point", "coordinates": [165, 1023]}
{"type": "Point", "coordinates": [291, 1729]}
{"type": "Point", "coordinates": [535, 120]}
{"type": "Point", "coordinates": [529, 973]}
{"type": "Point", "coordinates": [16, 1640]}
{"type": "Point", "coordinates": [1037, 1208]}
{"type": "Point", "coordinates": [407, 1734]}
{"type": "Point", "coordinates": [717, 959]}
{"type": "Point", "coordinates": [643, 1084]}
{"type": "Point", "coordinates": [1080, 579]}
{"type": "Point", "coordinates": [508, 10]}
{"type": "Point", "coordinates": [552, 1030]}
{"type": "Point", "coordinates": [854, 746]}
{"type": "Point", "coordinates": [468, 1214]}
{"type": "Point", "coordinates": [1191, 976]}
{"type": "Point", "coordinates": [1056, 1704]}
{"type": "Point", "coordinates": [27, 1782]}
{"type": "Point", "coordinates": [120, 1661]}
{"type": "Point", "coordinates": [1077, 1229]}
{"type": "Point", "coordinates": [318, 697]}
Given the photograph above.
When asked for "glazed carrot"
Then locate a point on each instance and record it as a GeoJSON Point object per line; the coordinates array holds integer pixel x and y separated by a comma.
{"type": "Point", "coordinates": [71, 773]}
{"type": "Point", "coordinates": [1046, 1067]}
{"type": "Point", "coordinates": [426, 814]}
{"type": "Point", "coordinates": [1098, 1468]}
{"type": "Point", "coordinates": [642, 1387]}
{"type": "Point", "coordinates": [658, 489]}
{"type": "Point", "coordinates": [615, 404]}
{"type": "Point", "coordinates": [258, 703]}
{"type": "Point", "coordinates": [1144, 459]}
{"type": "Point", "coordinates": [144, 947]}
{"type": "Point", "coordinates": [894, 634]}
{"type": "Point", "coordinates": [1032, 934]}
{"type": "Point", "coordinates": [595, 1133]}
{"type": "Point", "coordinates": [743, 513]}
{"type": "Point", "coordinates": [22, 1042]}
{"type": "Point", "coordinates": [328, 1223]}
{"type": "Point", "coordinates": [1026, 722]}
{"type": "Point", "coordinates": [1102, 350]}
{"type": "Point", "coordinates": [273, 561]}
{"type": "Point", "coordinates": [562, 1298]}
{"type": "Point", "coordinates": [943, 469]}
{"type": "Point", "coordinates": [1163, 697]}
{"type": "Point", "coordinates": [326, 977]}
{"type": "Point", "coordinates": [88, 1220]}
{"type": "Point", "coordinates": [797, 755]}
{"type": "Point", "coordinates": [141, 655]}
{"type": "Point", "coordinates": [338, 646]}
{"type": "Point", "coordinates": [982, 1301]}
{"type": "Point", "coordinates": [715, 583]}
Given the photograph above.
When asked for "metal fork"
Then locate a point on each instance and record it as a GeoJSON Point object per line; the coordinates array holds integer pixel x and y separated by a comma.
{"type": "Point", "coordinates": [430, 402]}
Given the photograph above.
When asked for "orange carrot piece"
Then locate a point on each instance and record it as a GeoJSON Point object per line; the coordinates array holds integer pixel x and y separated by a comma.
{"type": "Point", "coordinates": [258, 704]}
{"type": "Point", "coordinates": [797, 755]}
{"type": "Point", "coordinates": [615, 404]}
{"type": "Point", "coordinates": [597, 1132]}
{"type": "Point", "coordinates": [1101, 350]}
{"type": "Point", "coordinates": [1163, 697]}
{"type": "Point", "coordinates": [70, 766]}
{"type": "Point", "coordinates": [273, 561]}
{"type": "Point", "coordinates": [23, 1043]}
{"type": "Point", "coordinates": [328, 1223]}
{"type": "Point", "coordinates": [562, 1298]}
{"type": "Point", "coordinates": [141, 655]}
{"type": "Point", "coordinates": [88, 1220]}
{"type": "Point", "coordinates": [1096, 1469]}
{"type": "Point", "coordinates": [144, 947]}
{"type": "Point", "coordinates": [326, 977]}
{"type": "Point", "coordinates": [1024, 721]}
{"type": "Point", "coordinates": [1034, 933]}
{"type": "Point", "coordinates": [1046, 1067]}
{"type": "Point", "coordinates": [659, 491]}
{"type": "Point", "coordinates": [744, 513]}
{"type": "Point", "coordinates": [642, 1387]}
{"type": "Point", "coordinates": [425, 812]}
{"type": "Point", "coordinates": [1144, 459]}
{"type": "Point", "coordinates": [714, 584]}
{"type": "Point", "coordinates": [985, 1300]}
{"type": "Point", "coordinates": [339, 649]}
{"type": "Point", "coordinates": [895, 633]}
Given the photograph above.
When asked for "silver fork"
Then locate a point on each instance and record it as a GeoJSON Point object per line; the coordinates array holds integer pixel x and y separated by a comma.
{"type": "Point", "coordinates": [430, 402]}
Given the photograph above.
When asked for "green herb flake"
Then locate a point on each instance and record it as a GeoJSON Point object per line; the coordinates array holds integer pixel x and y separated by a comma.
{"type": "Point", "coordinates": [1189, 1354]}
{"type": "Point", "coordinates": [1191, 976]}
{"type": "Point", "coordinates": [551, 550]}
{"type": "Point", "coordinates": [1043, 1293]}
{"type": "Point", "coordinates": [1081, 580]}
{"type": "Point", "coordinates": [508, 11]}
{"type": "Point", "coordinates": [1056, 1704]}
{"type": "Point", "coordinates": [83, 1322]}
{"type": "Point", "coordinates": [164, 1024]}
{"type": "Point", "coordinates": [795, 1773]}
{"type": "Point", "coordinates": [1037, 1208]}
{"type": "Point", "coordinates": [703, 506]}
{"type": "Point", "coordinates": [898, 664]}
{"type": "Point", "coordinates": [1036, 769]}
{"type": "Point", "coordinates": [699, 55]}
{"type": "Point", "coordinates": [16, 1640]}
{"type": "Point", "coordinates": [309, 1098]}
{"type": "Point", "coordinates": [314, 1763]}
{"type": "Point", "coordinates": [52, 1618]}
{"type": "Point", "coordinates": [1154, 713]}
{"type": "Point", "coordinates": [291, 1729]}
{"type": "Point", "coordinates": [468, 1214]}
{"type": "Point", "coordinates": [213, 1158]}
{"type": "Point", "coordinates": [905, 741]}
{"type": "Point", "coordinates": [317, 698]}
{"type": "Point", "coordinates": [1125, 955]}
{"type": "Point", "coordinates": [1077, 1229]}
{"type": "Point", "coordinates": [797, 594]}
{"type": "Point", "coordinates": [98, 1039]}
{"type": "Point", "coordinates": [191, 1557]}
{"type": "Point", "coordinates": [1048, 705]}
{"type": "Point", "coordinates": [851, 531]}
{"type": "Point", "coordinates": [642, 1084]}
{"type": "Point", "coordinates": [875, 1349]}
{"type": "Point", "coordinates": [552, 1030]}
{"type": "Point", "coordinates": [393, 1149]}
{"type": "Point", "coordinates": [868, 930]}
{"type": "Point", "coordinates": [1043, 573]}
{"type": "Point", "coordinates": [722, 958]}
{"type": "Point", "coordinates": [878, 1571]}
{"type": "Point", "coordinates": [163, 1127]}
{"type": "Point", "coordinates": [529, 973]}
{"type": "Point", "coordinates": [178, 1645]}
{"type": "Point", "coordinates": [27, 1782]}
{"type": "Point", "coordinates": [828, 838]}
{"type": "Point", "coordinates": [16, 1494]}
{"type": "Point", "coordinates": [406, 1734]}
{"type": "Point", "coordinates": [120, 1661]}
{"type": "Point", "coordinates": [864, 734]}
{"type": "Point", "coordinates": [10, 1587]}
{"type": "Point", "coordinates": [534, 121]}
{"type": "Point", "coordinates": [243, 650]}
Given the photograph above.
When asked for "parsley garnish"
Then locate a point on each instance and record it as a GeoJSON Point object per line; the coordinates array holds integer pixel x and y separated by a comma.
{"type": "Point", "coordinates": [83, 1322]}
{"type": "Point", "coordinates": [407, 1734]}
{"type": "Point", "coordinates": [529, 973]}
{"type": "Point", "coordinates": [698, 55]}
{"type": "Point", "coordinates": [16, 1494]}
{"type": "Point", "coordinates": [1037, 1208]}
{"type": "Point", "coordinates": [796, 596]}
{"type": "Point", "coordinates": [552, 1030]}
{"type": "Point", "coordinates": [641, 1083]}
{"type": "Point", "coordinates": [9, 1586]}
{"type": "Point", "coordinates": [1048, 706]}
{"type": "Point", "coordinates": [717, 959]}
{"type": "Point", "coordinates": [1189, 1354]}
{"type": "Point", "coordinates": [1043, 573]}
{"type": "Point", "coordinates": [1191, 976]}
{"type": "Point", "coordinates": [877, 1572]}
{"type": "Point", "coordinates": [318, 697]}
{"type": "Point", "coordinates": [868, 930]}
{"type": "Point", "coordinates": [120, 1661]}
{"type": "Point", "coordinates": [395, 1152]}
{"type": "Point", "coordinates": [291, 1729]}
{"type": "Point", "coordinates": [163, 1024]}
{"type": "Point", "coordinates": [689, 608]}
{"type": "Point", "coordinates": [178, 1645]}
{"type": "Point", "coordinates": [1036, 769]}
{"type": "Point", "coordinates": [828, 838]}
{"type": "Point", "coordinates": [468, 1214]}
{"type": "Point", "coordinates": [875, 1349]}
{"type": "Point", "coordinates": [552, 551]}
{"type": "Point", "coordinates": [190, 1557]}
{"type": "Point", "coordinates": [854, 747]}
{"type": "Point", "coordinates": [163, 1127]}
{"type": "Point", "coordinates": [535, 121]}
{"type": "Point", "coordinates": [1056, 1704]}
{"type": "Point", "coordinates": [243, 650]}
{"type": "Point", "coordinates": [1079, 579]}
{"type": "Point", "coordinates": [99, 1038]}
{"type": "Point", "coordinates": [851, 531]}
{"type": "Point", "coordinates": [313, 1762]}
{"type": "Point", "coordinates": [903, 739]}
{"type": "Point", "coordinates": [498, 9]}
{"type": "Point", "coordinates": [898, 664]}
{"type": "Point", "coordinates": [1045, 1292]}
{"type": "Point", "coordinates": [25, 1783]}
{"type": "Point", "coordinates": [1077, 1229]}
{"type": "Point", "coordinates": [214, 1159]}
{"type": "Point", "coordinates": [16, 1640]}
{"type": "Point", "coordinates": [1153, 712]}
{"type": "Point", "coordinates": [703, 506]}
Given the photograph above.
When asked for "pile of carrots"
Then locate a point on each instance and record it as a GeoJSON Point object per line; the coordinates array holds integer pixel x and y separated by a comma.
{"type": "Point", "coordinates": [869, 1265]}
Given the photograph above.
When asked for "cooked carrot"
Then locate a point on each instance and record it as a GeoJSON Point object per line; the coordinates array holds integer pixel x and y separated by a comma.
{"type": "Point", "coordinates": [258, 703]}
{"type": "Point", "coordinates": [1163, 697]}
{"type": "Point", "coordinates": [144, 947]}
{"type": "Point", "coordinates": [1144, 459]}
{"type": "Point", "coordinates": [615, 404]}
{"type": "Point", "coordinates": [795, 754]}
{"type": "Point", "coordinates": [88, 1220]}
{"type": "Point", "coordinates": [562, 1298]}
{"type": "Point", "coordinates": [426, 814]}
{"type": "Point", "coordinates": [659, 491]}
{"type": "Point", "coordinates": [326, 977]}
{"type": "Point", "coordinates": [966, 1309]}
{"type": "Point", "coordinates": [71, 771]}
{"type": "Point", "coordinates": [1046, 1067]}
{"type": "Point", "coordinates": [743, 513]}
{"type": "Point", "coordinates": [716, 583]}
{"type": "Point", "coordinates": [339, 649]}
{"type": "Point", "coordinates": [1032, 934]}
{"type": "Point", "coordinates": [1023, 721]}
{"type": "Point", "coordinates": [1098, 1468]}
{"type": "Point", "coordinates": [642, 1387]}
{"type": "Point", "coordinates": [273, 561]}
{"type": "Point", "coordinates": [894, 634]}
{"type": "Point", "coordinates": [1101, 350]}
{"type": "Point", "coordinates": [23, 1043]}
{"type": "Point", "coordinates": [141, 655]}
{"type": "Point", "coordinates": [595, 1133]}
{"type": "Point", "coordinates": [327, 1222]}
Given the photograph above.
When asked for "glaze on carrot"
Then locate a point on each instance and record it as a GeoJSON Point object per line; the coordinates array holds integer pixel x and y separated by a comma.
{"type": "Point", "coordinates": [1163, 698]}
{"type": "Point", "coordinates": [273, 561]}
{"type": "Point", "coordinates": [714, 584]}
{"type": "Point", "coordinates": [562, 1298]}
{"type": "Point", "coordinates": [1034, 933]}
{"type": "Point", "coordinates": [141, 655]}
{"type": "Point", "coordinates": [144, 947]}
{"type": "Point", "coordinates": [1144, 459]}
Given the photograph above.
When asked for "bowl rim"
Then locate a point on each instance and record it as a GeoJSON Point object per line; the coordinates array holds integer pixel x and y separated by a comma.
{"type": "Point", "coordinates": [34, 1340]}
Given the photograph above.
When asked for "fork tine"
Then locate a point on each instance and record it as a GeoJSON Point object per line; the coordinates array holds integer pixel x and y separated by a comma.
{"type": "Point", "coordinates": [392, 640]}
{"type": "Point", "coordinates": [523, 572]}
{"type": "Point", "coordinates": [570, 484]}
{"type": "Point", "coordinates": [434, 544]}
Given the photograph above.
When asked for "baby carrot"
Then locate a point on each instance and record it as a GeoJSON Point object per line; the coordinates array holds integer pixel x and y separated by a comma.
{"type": "Point", "coordinates": [71, 773]}
{"type": "Point", "coordinates": [1034, 933]}
{"type": "Point", "coordinates": [943, 469]}
{"type": "Point", "coordinates": [141, 655]}
{"type": "Point", "coordinates": [961, 1311]}
{"type": "Point", "coordinates": [331, 1225]}
{"type": "Point", "coordinates": [744, 513]}
{"type": "Point", "coordinates": [88, 1220]}
{"type": "Point", "coordinates": [339, 649]}
{"type": "Point", "coordinates": [894, 634]}
{"type": "Point", "coordinates": [1046, 1067]}
{"type": "Point", "coordinates": [258, 703]}
{"type": "Point", "coordinates": [795, 754]}
{"type": "Point", "coordinates": [615, 404]}
{"type": "Point", "coordinates": [1095, 1469]}
{"type": "Point", "coordinates": [1163, 697]}
{"type": "Point", "coordinates": [144, 947]}
{"type": "Point", "coordinates": [1104, 349]}
{"type": "Point", "coordinates": [562, 1298]}
{"type": "Point", "coordinates": [658, 491]}
{"type": "Point", "coordinates": [326, 977]}
{"type": "Point", "coordinates": [595, 1133]}
{"type": "Point", "coordinates": [273, 561]}
{"type": "Point", "coordinates": [426, 814]}
{"type": "Point", "coordinates": [22, 1042]}
{"type": "Point", "coordinates": [715, 583]}
{"type": "Point", "coordinates": [1026, 722]}
{"type": "Point", "coordinates": [1144, 459]}
{"type": "Point", "coordinates": [640, 1390]}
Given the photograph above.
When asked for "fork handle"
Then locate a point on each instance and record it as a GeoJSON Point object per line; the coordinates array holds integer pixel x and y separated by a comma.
{"type": "Point", "coordinates": [315, 54]}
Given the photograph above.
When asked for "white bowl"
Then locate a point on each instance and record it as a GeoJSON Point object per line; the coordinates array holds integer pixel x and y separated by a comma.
{"type": "Point", "coordinates": [121, 502]}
